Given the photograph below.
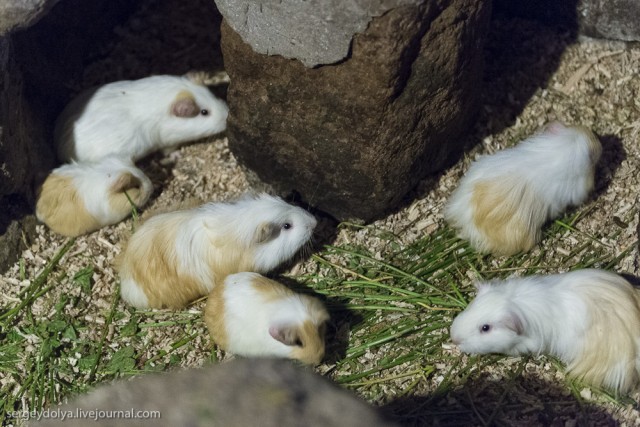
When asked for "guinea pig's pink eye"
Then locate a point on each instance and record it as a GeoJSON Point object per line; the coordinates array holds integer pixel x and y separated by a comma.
{"type": "Point", "coordinates": [204, 112]}
{"type": "Point", "coordinates": [485, 328]}
{"type": "Point", "coordinates": [286, 225]}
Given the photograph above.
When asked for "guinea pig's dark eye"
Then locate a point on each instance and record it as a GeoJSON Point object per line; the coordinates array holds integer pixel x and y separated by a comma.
{"type": "Point", "coordinates": [204, 112]}
{"type": "Point", "coordinates": [286, 226]}
{"type": "Point", "coordinates": [299, 342]}
{"type": "Point", "coordinates": [485, 328]}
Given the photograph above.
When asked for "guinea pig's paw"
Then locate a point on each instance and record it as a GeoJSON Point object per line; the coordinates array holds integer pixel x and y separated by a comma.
{"type": "Point", "coordinates": [171, 155]}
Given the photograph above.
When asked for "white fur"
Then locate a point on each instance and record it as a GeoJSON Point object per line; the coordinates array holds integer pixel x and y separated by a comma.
{"type": "Point", "coordinates": [93, 181]}
{"type": "Point", "coordinates": [133, 118]}
{"type": "Point", "coordinates": [239, 221]}
{"type": "Point", "coordinates": [241, 218]}
{"type": "Point", "coordinates": [216, 239]}
{"type": "Point", "coordinates": [543, 175]}
{"type": "Point", "coordinates": [131, 293]}
{"type": "Point", "coordinates": [588, 318]}
{"type": "Point", "coordinates": [249, 314]}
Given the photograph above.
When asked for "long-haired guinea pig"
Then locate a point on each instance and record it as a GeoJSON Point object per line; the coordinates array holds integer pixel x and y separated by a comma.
{"type": "Point", "coordinates": [81, 197]}
{"type": "Point", "coordinates": [250, 315]}
{"type": "Point", "coordinates": [176, 257]}
{"type": "Point", "coordinates": [590, 319]}
{"type": "Point", "coordinates": [504, 199]}
{"type": "Point", "coordinates": [133, 118]}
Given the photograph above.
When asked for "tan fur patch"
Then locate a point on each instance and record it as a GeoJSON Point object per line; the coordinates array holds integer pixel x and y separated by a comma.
{"type": "Point", "coordinates": [61, 207]}
{"type": "Point", "coordinates": [190, 203]}
{"type": "Point", "coordinates": [270, 289]}
{"type": "Point", "coordinates": [313, 350]}
{"type": "Point", "coordinates": [498, 215]}
{"type": "Point", "coordinates": [214, 313]}
{"type": "Point", "coordinates": [228, 257]}
{"type": "Point", "coordinates": [151, 261]}
{"type": "Point", "coordinates": [612, 337]}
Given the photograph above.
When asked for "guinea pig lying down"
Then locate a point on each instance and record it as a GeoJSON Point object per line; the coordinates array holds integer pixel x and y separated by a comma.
{"type": "Point", "coordinates": [250, 315]}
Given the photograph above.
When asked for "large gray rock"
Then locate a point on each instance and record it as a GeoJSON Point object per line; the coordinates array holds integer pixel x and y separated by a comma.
{"type": "Point", "coordinates": [248, 392]}
{"type": "Point", "coordinates": [314, 32]}
{"type": "Point", "coordinates": [353, 138]}
{"type": "Point", "coordinates": [612, 19]}
{"type": "Point", "coordinates": [22, 13]}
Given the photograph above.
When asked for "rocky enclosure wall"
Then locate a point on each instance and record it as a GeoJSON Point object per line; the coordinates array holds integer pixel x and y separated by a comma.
{"type": "Point", "coordinates": [44, 46]}
{"type": "Point", "coordinates": [360, 75]}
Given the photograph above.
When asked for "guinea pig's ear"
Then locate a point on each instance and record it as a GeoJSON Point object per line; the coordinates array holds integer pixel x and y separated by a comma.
{"type": "Point", "coordinates": [126, 181]}
{"type": "Point", "coordinates": [197, 77]}
{"type": "Point", "coordinates": [266, 231]}
{"type": "Point", "coordinates": [287, 335]}
{"type": "Point", "coordinates": [185, 105]}
{"type": "Point", "coordinates": [514, 322]}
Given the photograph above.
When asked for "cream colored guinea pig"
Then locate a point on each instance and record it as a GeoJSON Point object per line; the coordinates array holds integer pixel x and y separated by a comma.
{"type": "Point", "coordinates": [590, 319]}
{"type": "Point", "coordinates": [81, 197]}
{"type": "Point", "coordinates": [176, 257]}
{"type": "Point", "coordinates": [133, 118]}
{"type": "Point", "coordinates": [504, 199]}
{"type": "Point", "coordinates": [250, 315]}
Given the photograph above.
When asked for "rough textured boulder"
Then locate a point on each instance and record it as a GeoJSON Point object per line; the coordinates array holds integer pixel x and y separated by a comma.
{"type": "Point", "coordinates": [612, 19]}
{"type": "Point", "coordinates": [22, 13]}
{"type": "Point", "coordinates": [268, 393]}
{"type": "Point", "coordinates": [35, 71]}
{"type": "Point", "coordinates": [353, 138]}
{"type": "Point", "coordinates": [18, 125]}
{"type": "Point", "coordinates": [314, 31]}
{"type": "Point", "coordinates": [22, 152]}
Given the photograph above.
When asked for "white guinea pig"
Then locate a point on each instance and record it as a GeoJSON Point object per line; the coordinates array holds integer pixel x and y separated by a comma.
{"type": "Point", "coordinates": [81, 197]}
{"type": "Point", "coordinates": [250, 315]}
{"type": "Point", "coordinates": [176, 257]}
{"type": "Point", "coordinates": [504, 199]}
{"type": "Point", "coordinates": [133, 118]}
{"type": "Point", "coordinates": [590, 319]}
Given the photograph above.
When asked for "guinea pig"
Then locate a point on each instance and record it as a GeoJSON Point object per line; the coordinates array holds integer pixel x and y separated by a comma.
{"type": "Point", "coordinates": [81, 197]}
{"type": "Point", "coordinates": [590, 319]}
{"type": "Point", "coordinates": [250, 315]}
{"type": "Point", "coordinates": [176, 257]}
{"type": "Point", "coordinates": [133, 118]}
{"type": "Point", "coordinates": [504, 199]}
